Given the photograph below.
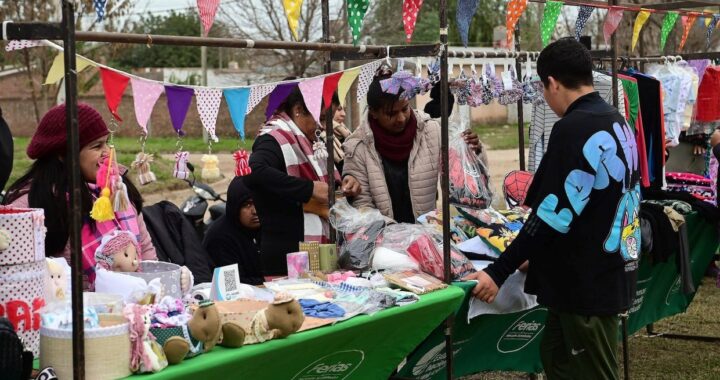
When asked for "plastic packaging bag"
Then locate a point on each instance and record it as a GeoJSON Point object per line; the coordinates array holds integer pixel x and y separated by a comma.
{"type": "Point", "coordinates": [469, 178]}
{"type": "Point", "coordinates": [359, 232]}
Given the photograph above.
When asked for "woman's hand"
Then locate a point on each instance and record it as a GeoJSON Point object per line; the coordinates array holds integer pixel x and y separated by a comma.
{"type": "Point", "coordinates": [320, 192]}
{"type": "Point", "coordinates": [471, 139]}
{"type": "Point", "coordinates": [350, 186]}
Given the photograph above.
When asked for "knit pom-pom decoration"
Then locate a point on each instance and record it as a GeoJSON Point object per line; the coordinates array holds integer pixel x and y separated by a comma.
{"type": "Point", "coordinates": [102, 209]}
{"type": "Point", "coordinates": [180, 170]}
{"type": "Point", "coordinates": [142, 165]}
{"type": "Point", "coordinates": [210, 169]}
{"type": "Point", "coordinates": [242, 163]}
{"type": "Point", "coordinates": [120, 195]}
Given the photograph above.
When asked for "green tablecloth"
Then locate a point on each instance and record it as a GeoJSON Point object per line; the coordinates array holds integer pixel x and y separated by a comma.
{"type": "Point", "coordinates": [510, 342]}
{"type": "Point", "coordinates": [364, 347]}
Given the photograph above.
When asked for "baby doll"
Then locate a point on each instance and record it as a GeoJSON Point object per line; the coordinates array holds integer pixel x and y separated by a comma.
{"type": "Point", "coordinates": [118, 252]}
{"type": "Point", "coordinates": [57, 283]}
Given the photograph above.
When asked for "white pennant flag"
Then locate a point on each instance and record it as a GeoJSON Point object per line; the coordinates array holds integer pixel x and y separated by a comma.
{"type": "Point", "coordinates": [367, 73]}
{"type": "Point", "coordinates": [257, 93]}
{"type": "Point", "coordinates": [208, 104]}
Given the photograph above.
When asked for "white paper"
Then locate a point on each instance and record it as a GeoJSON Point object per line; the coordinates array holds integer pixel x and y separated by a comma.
{"type": "Point", "coordinates": [510, 299]}
{"type": "Point", "coordinates": [477, 245]}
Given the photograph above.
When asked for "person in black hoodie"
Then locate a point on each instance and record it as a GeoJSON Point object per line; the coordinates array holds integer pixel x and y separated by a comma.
{"type": "Point", "coordinates": [233, 238]}
{"type": "Point", "coordinates": [6, 152]}
{"type": "Point", "coordinates": [582, 238]}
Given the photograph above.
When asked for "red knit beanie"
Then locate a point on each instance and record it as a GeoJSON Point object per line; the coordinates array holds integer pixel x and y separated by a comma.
{"type": "Point", "coordinates": [51, 134]}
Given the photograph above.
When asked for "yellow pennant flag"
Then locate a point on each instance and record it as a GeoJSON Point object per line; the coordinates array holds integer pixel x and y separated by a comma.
{"type": "Point", "coordinates": [57, 70]}
{"type": "Point", "coordinates": [708, 19]}
{"type": "Point", "coordinates": [346, 81]}
{"type": "Point", "coordinates": [292, 11]}
{"type": "Point", "coordinates": [640, 20]}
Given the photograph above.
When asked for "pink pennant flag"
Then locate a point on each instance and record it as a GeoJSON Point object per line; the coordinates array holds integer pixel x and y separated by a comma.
{"type": "Point", "coordinates": [257, 93]}
{"type": "Point", "coordinates": [311, 90]}
{"type": "Point", "coordinates": [208, 104]}
{"type": "Point", "coordinates": [207, 10]}
{"type": "Point", "coordinates": [145, 95]}
{"type": "Point", "coordinates": [411, 8]}
{"type": "Point", "coordinates": [612, 20]}
{"type": "Point", "coordinates": [22, 44]}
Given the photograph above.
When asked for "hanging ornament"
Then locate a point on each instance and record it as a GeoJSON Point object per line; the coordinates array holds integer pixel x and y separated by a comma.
{"type": "Point", "coordinates": [292, 12]}
{"type": "Point", "coordinates": [207, 10]}
{"type": "Point", "coordinates": [208, 104]}
{"type": "Point", "coordinates": [667, 26]}
{"type": "Point", "coordinates": [102, 209]}
{"type": "Point", "coordinates": [710, 29]}
{"type": "Point", "coordinates": [515, 9]}
{"type": "Point", "coordinates": [278, 96]}
{"type": "Point", "coordinates": [582, 19]}
{"type": "Point", "coordinates": [356, 13]}
{"type": "Point", "coordinates": [178, 102]}
{"type": "Point", "coordinates": [242, 163]}
{"type": "Point", "coordinates": [100, 9]}
{"type": "Point", "coordinates": [688, 22]}
{"type": "Point", "coordinates": [180, 170]}
{"type": "Point", "coordinates": [142, 165]}
{"type": "Point", "coordinates": [411, 8]}
{"type": "Point", "coordinates": [114, 85]}
{"type": "Point", "coordinates": [550, 17]}
{"type": "Point", "coordinates": [640, 21]}
{"type": "Point", "coordinates": [612, 20]}
{"type": "Point", "coordinates": [463, 17]}
{"type": "Point", "coordinates": [237, 101]}
{"type": "Point", "coordinates": [210, 169]}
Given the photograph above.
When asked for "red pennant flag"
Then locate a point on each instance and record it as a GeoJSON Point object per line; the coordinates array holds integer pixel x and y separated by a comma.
{"type": "Point", "coordinates": [688, 22]}
{"type": "Point", "coordinates": [114, 85]}
{"type": "Point", "coordinates": [411, 8]}
{"type": "Point", "coordinates": [207, 10]}
{"type": "Point", "coordinates": [329, 88]}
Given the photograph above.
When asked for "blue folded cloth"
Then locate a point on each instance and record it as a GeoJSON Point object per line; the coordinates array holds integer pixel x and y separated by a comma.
{"type": "Point", "coordinates": [313, 308]}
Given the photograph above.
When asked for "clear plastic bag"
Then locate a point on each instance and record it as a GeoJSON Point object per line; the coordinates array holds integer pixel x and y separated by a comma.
{"type": "Point", "coordinates": [359, 231]}
{"type": "Point", "coordinates": [469, 178]}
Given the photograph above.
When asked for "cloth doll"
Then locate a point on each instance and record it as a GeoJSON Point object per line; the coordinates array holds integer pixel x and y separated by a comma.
{"type": "Point", "coordinates": [118, 252]}
{"type": "Point", "coordinates": [142, 165]}
{"type": "Point", "coordinates": [210, 169]}
{"type": "Point", "coordinates": [281, 318]}
{"type": "Point", "coordinates": [146, 353]}
{"type": "Point", "coordinates": [56, 286]}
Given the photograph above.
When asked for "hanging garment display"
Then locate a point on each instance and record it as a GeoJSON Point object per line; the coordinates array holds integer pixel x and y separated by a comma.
{"type": "Point", "coordinates": [634, 118]}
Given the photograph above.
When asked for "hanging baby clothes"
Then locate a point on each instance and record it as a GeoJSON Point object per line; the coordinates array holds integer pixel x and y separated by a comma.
{"type": "Point", "coordinates": [651, 110]}
{"type": "Point", "coordinates": [707, 113]}
{"type": "Point", "coordinates": [543, 118]}
{"type": "Point", "coordinates": [676, 86]}
{"type": "Point", "coordinates": [634, 118]}
{"type": "Point", "coordinates": [699, 65]}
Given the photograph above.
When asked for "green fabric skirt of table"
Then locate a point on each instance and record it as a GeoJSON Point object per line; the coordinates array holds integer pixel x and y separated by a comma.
{"type": "Point", "coordinates": [364, 347]}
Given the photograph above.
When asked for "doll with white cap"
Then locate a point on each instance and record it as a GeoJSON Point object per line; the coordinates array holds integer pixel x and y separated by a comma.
{"type": "Point", "coordinates": [118, 252]}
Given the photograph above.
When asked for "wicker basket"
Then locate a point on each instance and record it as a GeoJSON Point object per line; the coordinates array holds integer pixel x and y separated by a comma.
{"type": "Point", "coordinates": [107, 350]}
{"type": "Point", "coordinates": [168, 273]}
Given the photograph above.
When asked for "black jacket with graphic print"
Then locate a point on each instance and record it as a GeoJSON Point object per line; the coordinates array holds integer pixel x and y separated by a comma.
{"type": "Point", "coordinates": [583, 237]}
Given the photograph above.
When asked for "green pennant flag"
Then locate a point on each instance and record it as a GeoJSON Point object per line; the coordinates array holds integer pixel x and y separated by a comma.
{"type": "Point", "coordinates": [668, 24]}
{"type": "Point", "coordinates": [356, 13]}
{"type": "Point", "coordinates": [550, 17]}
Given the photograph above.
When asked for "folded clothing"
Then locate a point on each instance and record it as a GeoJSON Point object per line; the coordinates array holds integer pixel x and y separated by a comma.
{"type": "Point", "coordinates": [313, 308]}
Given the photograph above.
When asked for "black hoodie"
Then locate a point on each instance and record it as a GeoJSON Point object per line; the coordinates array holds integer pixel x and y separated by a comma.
{"type": "Point", "coordinates": [6, 152]}
{"type": "Point", "coordinates": [228, 242]}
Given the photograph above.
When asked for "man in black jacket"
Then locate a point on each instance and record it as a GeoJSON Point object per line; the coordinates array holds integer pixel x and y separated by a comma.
{"type": "Point", "coordinates": [583, 237]}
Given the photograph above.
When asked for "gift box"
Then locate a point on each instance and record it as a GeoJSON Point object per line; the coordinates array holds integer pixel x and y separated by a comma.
{"type": "Point", "coordinates": [23, 233]}
{"type": "Point", "coordinates": [168, 273]}
{"type": "Point", "coordinates": [298, 263]}
{"type": "Point", "coordinates": [328, 257]}
{"type": "Point", "coordinates": [313, 250]}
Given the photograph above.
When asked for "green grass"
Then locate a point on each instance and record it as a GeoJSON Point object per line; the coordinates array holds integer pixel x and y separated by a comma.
{"type": "Point", "coordinates": [128, 147]}
{"type": "Point", "coordinates": [500, 136]}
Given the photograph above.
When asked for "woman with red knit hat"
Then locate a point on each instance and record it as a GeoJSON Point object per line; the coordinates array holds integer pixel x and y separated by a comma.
{"type": "Point", "coordinates": [46, 186]}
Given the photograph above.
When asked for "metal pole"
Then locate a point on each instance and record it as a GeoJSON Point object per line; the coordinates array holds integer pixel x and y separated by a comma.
{"type": "Point", "coordinates": [614, 51]}
{"type": "Point", "coordinates": [203, 68]}
{"type": "Point", "coordinates": [328, 116]}
{"type": "Point", "coordinates": [445, 175]}
{"type": "Point", "coordinates": [521, 122]}
{"type": "Point", "coordinates": [73, 160]}
{"type": "Point", "coordinates": [626, 353]}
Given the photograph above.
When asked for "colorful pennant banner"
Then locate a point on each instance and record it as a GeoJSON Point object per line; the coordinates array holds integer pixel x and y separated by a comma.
{"type": "Point", "coordinates": [612, 20]}
{"type": "Point", "coordinates": [208, 104]}
{"type": "Point", "coordinates": [207, 9]}
{"type": "Point", "coordinates": [710, 29]}
{"type": "Point", "coordinates": [582, 19]}
{"type": "Point", "coordinates": [346, 81]}
{"type": "Point", "coordinates": [640, 20]}
{"type": "Point", "coordinates": [411, 8]}
{"type": "Point", "coordinates": [178, 102]}
{"type": "Point", "coordinates": [278, 96]}
{"type": "Point", "coordinates": [550, 17]}
{"type": "Point", "coordinates": [463, 17]}
{"type": "Point", "coordinates": [688, 22]}
{"type": "Point", "coordinates": [57, 70]}
{"type": "Point", "coordinates": [515, 9]}
{"type": "Point", "coordinates": [292, 12]}
{"type": "Point", "coordinates": [312, 93]}
{"type": "Point", "coordinates": [114, 85]}
{"type": "Point", "coordinates": [100, 9]}
{"type": "Point", "coordinates": [145, 95]}
{"type": "Point", "coordinates": [329, 88]}
{"type": "Point", "coordinates": [356, 10]}
{"type": "Point", "coordinates": [668, 24]}
{"type": "Point", "coordinates": [22, 44]}
{"type": "Point", "coordinates": [237, 101]}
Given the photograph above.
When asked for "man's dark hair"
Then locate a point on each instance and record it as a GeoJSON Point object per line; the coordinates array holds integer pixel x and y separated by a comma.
{"type": "Point", "coordinates": [568, 61]}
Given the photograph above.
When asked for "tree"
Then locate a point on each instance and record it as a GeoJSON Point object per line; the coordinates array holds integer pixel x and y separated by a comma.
{"type": "Point", "coordinates": [266, 20]}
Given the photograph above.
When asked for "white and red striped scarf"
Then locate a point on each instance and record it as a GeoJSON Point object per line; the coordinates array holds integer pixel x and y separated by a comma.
{"type": "Point", "coordinates": [300, 161]}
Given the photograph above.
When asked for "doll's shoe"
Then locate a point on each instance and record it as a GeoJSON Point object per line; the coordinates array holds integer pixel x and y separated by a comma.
{"type": "Point", "coordinates": [233, 335]}
{"type": "Point", "coordinates": [176, 348]}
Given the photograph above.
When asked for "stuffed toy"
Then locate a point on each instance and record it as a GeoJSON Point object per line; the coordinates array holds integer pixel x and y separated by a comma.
{"type": "Point", "coordinates": [142, 165]}
{"type": "Point", "coordinates": [55, 288]}
{"type": "Point", "coordinates": [210, 169]}
{"type": "Point", "coordinates": [281, 318]}
{"type": "Point", "coordinates": [146, 353]}
{"type": "Point", "coordinates": [201, 334]}
{"type": "Point", "coordinates": [118, 252]}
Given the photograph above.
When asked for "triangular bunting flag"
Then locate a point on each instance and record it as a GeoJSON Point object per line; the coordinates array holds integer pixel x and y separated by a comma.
{"type": "Point", "coordinates": [312, 94]}
{"type": "Point", "coordinates": [707, 19]}
{"type": "Point", "coordinates": [463, 17]}
{"type": "Point", "coordinates": [550, 17]}
{"type": "Point", "coordinates": [640, 20]}
{"type": "Point", "coordinates": [515, 9]}
{"type": "Point", "coordinates": [257, 94]}
{"type": "Point", "coordinates": [710, 29]}
{"type": "Point", "coordinates": [237, 101]}
{"type": "Point", "coordinates": [329, 88]}
{"type": "Point", "coordinates": [57, 70]}
{"type": "Point", "coordinates": [582, 19]}
{"type": "Point", "coordinates": [100, 9]}
{"type": "Point", "coordinates": [667, 26]}
{"type": "Point", "coordinates": [114, 85]}
{"type": "Point", "coordinates": [22, 44]}
{"type": "Point", "coordinates": [411, 8]}
{"type": "Point", "coordinates": [367, 73]}
{"type": "Point", "coordinates": [612, 20]}
{"type": "Point", "coordinates": [207, 10]}
{"type": "Point", "coordinates": [356, 10]}
{"type": "Point", "coordinates": [178, 102]}
{"type": "Point", "coordinates": [292, 12]}
{"type": "Point", "coordinates": [277, 96]}
{"type": "Point", "coordinates": [345, 83]}
{"type": "Point", "coordinates": [208, 104]}
{"type": "Point", "coordinates": [688, 22]}
{"type": "Point", "coordinates": [145, 95]}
